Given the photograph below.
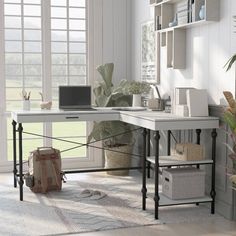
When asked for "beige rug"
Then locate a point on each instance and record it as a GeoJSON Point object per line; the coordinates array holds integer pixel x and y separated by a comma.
{"type": "Point", "coordinates": [65, 212]}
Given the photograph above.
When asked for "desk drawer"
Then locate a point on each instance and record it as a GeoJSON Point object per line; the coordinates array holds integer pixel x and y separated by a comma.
{"type": "Point", "coordinates": [68, 117]}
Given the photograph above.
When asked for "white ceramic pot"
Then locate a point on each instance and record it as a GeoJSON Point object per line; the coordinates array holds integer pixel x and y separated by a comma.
{"type": "Point", "coordinates": [26, 105]}
{"type": "Point", "coordinates": [137, 100]}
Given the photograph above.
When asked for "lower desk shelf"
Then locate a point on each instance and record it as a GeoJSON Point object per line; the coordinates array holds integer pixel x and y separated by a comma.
{"type": "Point", "coordinates": [167, 161]}
{"type": "Point", "coordinates": [165, 201]}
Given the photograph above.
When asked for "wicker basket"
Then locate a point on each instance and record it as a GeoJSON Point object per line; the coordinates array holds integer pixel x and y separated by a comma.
{"type": "Point", "coordinates": [188, 152]}
{"type": "Point", "coordinates": [118, 160]}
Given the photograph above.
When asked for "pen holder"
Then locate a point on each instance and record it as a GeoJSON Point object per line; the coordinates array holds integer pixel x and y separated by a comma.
{"type": "Point", "coordinates": [26, 105]}
{"type": "Point", "coordinates": [156, 104]}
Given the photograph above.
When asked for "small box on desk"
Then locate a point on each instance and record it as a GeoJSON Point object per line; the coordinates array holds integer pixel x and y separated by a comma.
{"type": "Point", "coordinates": [188, 152]}
{"type": "Point", "coordinates": [182, 183]}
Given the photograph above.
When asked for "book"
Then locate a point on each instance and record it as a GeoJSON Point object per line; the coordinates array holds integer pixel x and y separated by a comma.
{"type": "Point", "coordinates": [193, 11]}
{"type": "Point", "coordinates": [182, 20]}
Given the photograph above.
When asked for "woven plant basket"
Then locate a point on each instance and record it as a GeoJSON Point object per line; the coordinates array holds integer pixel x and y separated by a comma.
{"type": "Point", "coordinates": [118, 160]}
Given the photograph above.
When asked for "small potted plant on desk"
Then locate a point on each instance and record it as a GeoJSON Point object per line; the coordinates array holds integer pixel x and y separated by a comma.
{"type": "Point", "coordinates": [136, 88]}
{"type": "Point", "coordinates": [117, 137]}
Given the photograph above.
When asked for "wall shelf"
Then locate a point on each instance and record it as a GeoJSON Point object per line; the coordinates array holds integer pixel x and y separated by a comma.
{"type": "Point", "coordinates": [187, 15]}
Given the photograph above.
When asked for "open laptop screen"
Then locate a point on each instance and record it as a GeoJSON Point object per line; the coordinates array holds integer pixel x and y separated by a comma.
{"type": "Point", "coordinates": [74, 97]}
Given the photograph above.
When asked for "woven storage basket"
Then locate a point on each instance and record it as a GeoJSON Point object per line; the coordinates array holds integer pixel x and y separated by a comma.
{"type": "Point", "coordinates": [118, 160]}
{"type": "Point", "coordinates": [188, 152]}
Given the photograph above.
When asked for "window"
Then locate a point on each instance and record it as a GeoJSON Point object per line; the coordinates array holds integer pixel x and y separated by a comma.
{"type": "Point", "coordinates": [23, 63]}
{"type": "Point", "coordinates": [69, 64]}
{"type": "Point", "coordinates": [27, 43]}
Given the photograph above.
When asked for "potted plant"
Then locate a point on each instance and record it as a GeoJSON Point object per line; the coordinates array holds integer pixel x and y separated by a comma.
{"type": "Point", "coordinates": [230, 119]}
{"type": "Point", "coordinates": [136, 88]}
{"type": "Point", "coordinates": [116, 136]}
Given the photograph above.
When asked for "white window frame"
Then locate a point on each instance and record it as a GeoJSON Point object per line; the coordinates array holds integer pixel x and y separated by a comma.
{"type": "Point", "coordinates": [92, 59]}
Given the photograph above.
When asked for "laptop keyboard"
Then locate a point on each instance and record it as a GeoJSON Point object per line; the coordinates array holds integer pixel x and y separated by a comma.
{"type": "Point", "coordinates": [87, 109]}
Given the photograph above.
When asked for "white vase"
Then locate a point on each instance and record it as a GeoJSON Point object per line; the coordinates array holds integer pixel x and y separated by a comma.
{"type": "Point", "coordinates": [136, 100]}
{"type": "Point", "coordinates": [26, 105]}
{"type": "Point", "coordinates": [202, 12]}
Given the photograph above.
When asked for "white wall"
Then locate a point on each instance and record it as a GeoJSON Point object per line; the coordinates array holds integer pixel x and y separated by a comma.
{"type": "Point", "coordinates": [208, 49]}
{"type": "Point", "coordinates": [111, 36]}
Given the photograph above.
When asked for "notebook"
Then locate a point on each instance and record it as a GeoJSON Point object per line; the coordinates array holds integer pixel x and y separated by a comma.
{"type": "Point", "coordinates": [75, 98]}
{"type": "Point", "coordinates": [197, 101]}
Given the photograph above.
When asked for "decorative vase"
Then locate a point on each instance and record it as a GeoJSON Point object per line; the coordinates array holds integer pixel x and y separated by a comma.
{"type": "Point", "coordinates": [202, 12]}
{"type": "Point", "coordinates": [26, 105]}
{"type": "Point", "coordinates": [46, 105]}
{"type": "Point", "coordinates": [136, 100]}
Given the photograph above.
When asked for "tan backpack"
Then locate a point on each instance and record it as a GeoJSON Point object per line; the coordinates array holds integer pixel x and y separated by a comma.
{"type": "Point", "coordinates": [44, 170]}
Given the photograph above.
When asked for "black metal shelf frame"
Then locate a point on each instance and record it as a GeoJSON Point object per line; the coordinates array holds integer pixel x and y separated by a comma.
{"type": "Point", "coordinates": [19, 175]}
{"type": "Point", "coordinates": [157, 166]}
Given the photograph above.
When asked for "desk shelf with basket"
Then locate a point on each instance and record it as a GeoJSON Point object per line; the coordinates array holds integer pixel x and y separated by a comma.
{"type": "Point", "coordinates": [171, 161]}
{"type": "Point", "coordinates": [160, 121]}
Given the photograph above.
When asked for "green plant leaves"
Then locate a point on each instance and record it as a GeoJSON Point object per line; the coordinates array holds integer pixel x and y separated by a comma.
{"type": "Point", "coordinates": [106, 95]}
{"type": "Point", "coordinates": [230, 120]}
{"type": "Point", "coordinates": [230, 62]}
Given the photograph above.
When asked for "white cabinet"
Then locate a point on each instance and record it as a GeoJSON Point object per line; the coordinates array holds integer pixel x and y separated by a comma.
{"type": "Point", "coordinates": [173, 18]}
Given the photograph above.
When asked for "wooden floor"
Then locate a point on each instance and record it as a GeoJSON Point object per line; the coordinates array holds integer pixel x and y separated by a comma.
{"type": "Point", "coordinates": [223, 228]}
{"type": "Point", "coordinates": [217, 227]}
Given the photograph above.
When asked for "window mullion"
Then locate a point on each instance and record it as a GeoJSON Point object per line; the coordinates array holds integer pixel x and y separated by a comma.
{"type": "Point", "coordinates": [22, 44]}
{"type": "Point", "coordinates": [3, 116]}
{"type": "Point", "coordinates": [68, 44]}
{"type": "Point", "coordinates": [46, 47]}
{"type": "Point", "coordinates": [46, 62]}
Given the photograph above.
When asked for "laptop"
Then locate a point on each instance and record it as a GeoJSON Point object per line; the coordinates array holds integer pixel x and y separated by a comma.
{"type": "Point", "coordinates": [75, 98]}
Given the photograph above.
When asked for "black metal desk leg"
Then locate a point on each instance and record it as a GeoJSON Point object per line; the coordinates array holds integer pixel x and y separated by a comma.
{"type": "Point", "coordinates": [213, 192]}
{"type": "Point", "coordinates": [156, 171]}
{"type": "Point", "coordinates": [14, 153]}
{"type": "Point", "coordinates": [21, 181]}
{"type": "Point", "coordinates": [168, 142]}
{"type": "Point", "coordinates": [148, 152]}
{"type": "Point", "coordinates": [144, 187]}
{"type": "Point", "coordinates": [198, 132]}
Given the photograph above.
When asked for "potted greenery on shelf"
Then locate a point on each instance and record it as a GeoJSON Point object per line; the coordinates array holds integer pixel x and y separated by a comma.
{"type": "Point", "coordinates": [136, 88]}
{"type": "Point", "coordinates": [119, 147]}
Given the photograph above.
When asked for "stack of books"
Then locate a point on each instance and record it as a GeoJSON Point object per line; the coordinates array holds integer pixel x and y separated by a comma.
{"type": "Point", "coordinates": [182, 12]}
{"type": "Point", "coordinates": [186, 11]}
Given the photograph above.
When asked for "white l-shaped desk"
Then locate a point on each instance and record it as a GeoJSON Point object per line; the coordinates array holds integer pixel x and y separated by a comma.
{"type": "Point", "coordinates": [148, 120]}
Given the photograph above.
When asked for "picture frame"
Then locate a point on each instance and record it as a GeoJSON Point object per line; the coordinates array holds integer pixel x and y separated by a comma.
{"type": "Point", "coordinates": [148, 52]}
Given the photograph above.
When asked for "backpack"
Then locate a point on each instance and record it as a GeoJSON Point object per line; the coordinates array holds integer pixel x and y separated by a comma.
{"type": "Point", "coordinates": [44, 170]}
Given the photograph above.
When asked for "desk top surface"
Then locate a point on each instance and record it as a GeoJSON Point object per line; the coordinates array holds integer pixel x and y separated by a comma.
{"type": "Point", "coordinates": [153, 120]}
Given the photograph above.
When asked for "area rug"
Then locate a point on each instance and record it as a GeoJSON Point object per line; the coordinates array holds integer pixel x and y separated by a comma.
{"type": "Point", "coordinates": [65, 212]}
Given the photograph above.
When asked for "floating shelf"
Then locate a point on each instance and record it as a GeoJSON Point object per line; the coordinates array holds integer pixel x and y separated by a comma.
{"type": "Point", "coordinates": [165, 12]}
